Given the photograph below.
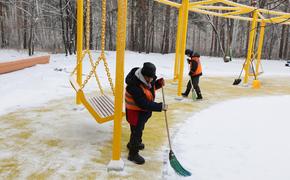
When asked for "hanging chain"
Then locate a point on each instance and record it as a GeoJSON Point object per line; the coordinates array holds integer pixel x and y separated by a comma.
{"type": "Point", "coordinates": [102, 56]}
{"type": "Point", "coordinates": [96, 76]}
{"type": "Point", "coordinates": [91, 73]}
{"type": "Point", "coordinates": [103, 36]}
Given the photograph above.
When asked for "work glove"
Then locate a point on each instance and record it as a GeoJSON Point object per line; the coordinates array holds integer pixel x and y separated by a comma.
{"type": "Point", "coordinates": [164, 107]}
{"type": "Point", "coordinates": [161, 82]}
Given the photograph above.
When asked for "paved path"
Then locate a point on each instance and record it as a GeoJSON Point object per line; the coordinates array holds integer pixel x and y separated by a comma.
{"type": "Point", "coordinates": [61, 141]}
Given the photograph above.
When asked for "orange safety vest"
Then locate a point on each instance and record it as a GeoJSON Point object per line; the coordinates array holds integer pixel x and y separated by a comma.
{"type": "Point", "coordinates": [198, 69]}
{"type": "Point", "coordinates": [131, 104]}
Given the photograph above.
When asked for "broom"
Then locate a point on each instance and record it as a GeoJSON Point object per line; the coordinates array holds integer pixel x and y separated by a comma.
{"type": "Point", "coordinates": [193, 95]}
{"type": "Point", "coordinates": [237, 81]}
{"type": "Point", "coordinates": [172, 159]}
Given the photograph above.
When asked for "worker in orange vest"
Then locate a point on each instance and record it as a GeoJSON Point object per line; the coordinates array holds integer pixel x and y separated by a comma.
{"type": "Point", "coordinates": [139, 100]}
{"type": "Point", "coordinates": [195, 72]}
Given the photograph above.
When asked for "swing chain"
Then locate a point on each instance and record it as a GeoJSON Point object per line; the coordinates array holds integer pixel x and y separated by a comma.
{"type": "Point", "coordinates": [102, 56]}
{"type": "Point", "coordinates": [103, 36]}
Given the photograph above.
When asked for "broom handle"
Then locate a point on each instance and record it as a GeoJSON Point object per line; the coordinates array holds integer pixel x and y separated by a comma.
{"type": "Point", "coordinates": [190, 79]}
{"type": "Point", "coordinates": [165, 115]}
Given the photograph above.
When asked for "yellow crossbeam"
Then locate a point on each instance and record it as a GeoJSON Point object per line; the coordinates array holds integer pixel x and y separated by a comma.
{"type": "Point", "coordinates": [226, 8]}
{"type": "Point", "coordinates": [173, 4]}
{"type": "Point", "coordinates": [239, 12]}
{"type": "Point", "coordinates": [236, 9]}
{"type": "Point", "coordinates": [219, 14]}
{"type": "Point", "coordinates": [203, 2]}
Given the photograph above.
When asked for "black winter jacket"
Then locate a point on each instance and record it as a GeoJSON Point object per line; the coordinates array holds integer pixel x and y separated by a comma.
{"type": "Point", "coordinates": [133, 87]}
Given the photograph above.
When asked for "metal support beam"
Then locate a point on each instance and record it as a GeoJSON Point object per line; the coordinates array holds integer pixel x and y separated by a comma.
{"type": "Point", "coordinates": [79, 44]}
{"type": "Point", "coordinates": [177, 46]}
{"type": "Point", "coordinates": [252, 35]}
{"type": "Point", "coordinates": [184, 6]}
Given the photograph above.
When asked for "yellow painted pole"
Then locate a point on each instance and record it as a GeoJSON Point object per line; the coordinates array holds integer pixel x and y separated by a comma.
{"type": "Point", "coordinates": [121, 45]}
{"type": "Point", "coordinates": [252, 35]}
{"type": "Point", "coordinates": [79, 43]}
{"type": "Point", "coordinates": [185, 6]}
{"type": "Point", "coordinates": [260, 46]}
{"type": "Point", "coordinates": [177, 46]}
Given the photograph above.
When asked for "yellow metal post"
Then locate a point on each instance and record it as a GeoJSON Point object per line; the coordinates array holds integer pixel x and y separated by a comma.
{"type": "Point", "coordinates": [252, 35]}
{"type": "Point", "coordinates": [177, 46]}
{"type": "Point", "coordinates": [260, 46]}
{"type": "Point", "coordinates": [121, 45]}
{"type": "Point", "coordinates": [184, 6]}
{"type": "Point", "coordinates": [79, 44]}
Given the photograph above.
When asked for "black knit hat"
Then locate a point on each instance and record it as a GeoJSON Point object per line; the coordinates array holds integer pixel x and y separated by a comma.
{"type": "Point", "coordinates": [196, 54]}
{"type": "Point", "coordinates": [149, 70]}
{"type": "Point", "coordinates": [188, 52]}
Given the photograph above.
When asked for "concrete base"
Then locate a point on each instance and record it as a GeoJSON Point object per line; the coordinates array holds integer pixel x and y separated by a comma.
{"type": "Point", "coordinates": [245, 85]}
{"type": "Point", "coordinates": [116, 165]}
{"type": "Point", "coordinates": [256, 84]}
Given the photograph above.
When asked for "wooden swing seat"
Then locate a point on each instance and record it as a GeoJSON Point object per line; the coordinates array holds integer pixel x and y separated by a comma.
{"type": "Point", "coordinates": [101, 107]}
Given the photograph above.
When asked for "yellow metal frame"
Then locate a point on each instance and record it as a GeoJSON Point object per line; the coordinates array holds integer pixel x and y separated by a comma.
{"type": "Point", "coordinates": [226, 9]}
{"type": "Point", "coordinates": [121, 44]}
{"type": "Point", "coordinates": [120, 56]}
{"type": "Point", "coordinates": [80, 22]}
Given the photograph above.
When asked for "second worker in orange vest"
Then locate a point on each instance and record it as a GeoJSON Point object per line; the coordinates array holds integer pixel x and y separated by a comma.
{"type": "Point", "coordinates": [194, 73]}
{"type": "Point", "coordinates": [139, 100]}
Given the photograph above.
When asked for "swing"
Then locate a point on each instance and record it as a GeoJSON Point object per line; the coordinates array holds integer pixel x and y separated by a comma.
{"type": "Point", "coordinates": [101, 107]}
{"type": "Point", "coordinates": [226, 56]}
{"type": "Point", "coordinates": [252, 70]}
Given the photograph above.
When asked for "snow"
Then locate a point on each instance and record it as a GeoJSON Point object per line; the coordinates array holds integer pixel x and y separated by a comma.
{"type": "Point", "coordinates": [8, 55]}
{"type": "Point", "coordinates": [226, 144]}
{"type": "Point", "coordinates": [222, 142]}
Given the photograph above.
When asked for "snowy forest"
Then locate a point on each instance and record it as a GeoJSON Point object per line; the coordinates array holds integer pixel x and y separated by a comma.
{"type": "Point", "coordinates": [40, 25]}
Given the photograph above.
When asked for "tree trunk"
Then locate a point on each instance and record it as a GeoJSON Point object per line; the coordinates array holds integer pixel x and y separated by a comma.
{"type": "Point", "coordinates": [31, 33]}
{"type": "Point", "coordinates": [62, 27]}
{"type": "Point", "coordinates": [282, 40]}
{"type": "Point", "coordinates": [148, 28]}
{"type": "Point", "coordinates": [142, 18]}
{"type": "Point", "coordinates": [25, 26]}
{"type": "Point", "coordinates": [216, 44]}
{"type": "Point", "coordinates": [193, 39]}
{"type": "Point", "coordinates": [2, 26]}
{"type": "Point", "coordinates": [132, 27]}
{"type": "Point", "coordinates": [153, 27]}
{"type": "Point", "coordinates": [91, 28]}
{"type": "Point", "coordinates": [167, 30]}
{"type": "Point", "coordinates": [286, 49]}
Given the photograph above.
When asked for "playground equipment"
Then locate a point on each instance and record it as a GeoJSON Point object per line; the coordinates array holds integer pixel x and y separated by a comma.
{"type": "Point", "coordinates": [226, 55]}
{"type": "Point", "coordinates": [226, 9]}
{"type": "Point", "coordinates": [102, 107]}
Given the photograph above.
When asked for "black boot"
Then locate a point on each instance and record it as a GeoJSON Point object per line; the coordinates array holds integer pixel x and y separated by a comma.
{"type": "Point", "coordinates": [184, 94]}
{"type": "Point", "coordinates": [136, 158]}
{"type": "Point", "coordinates": [199, 96]}
{"type": "Point", "coordinates": [141, 146]}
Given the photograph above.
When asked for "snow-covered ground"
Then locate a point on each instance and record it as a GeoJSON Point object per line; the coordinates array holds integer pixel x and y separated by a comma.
{"type": "Point", "coordinates": [43, 82]}
{"type": "Point", "coordinates": [223, 142]}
